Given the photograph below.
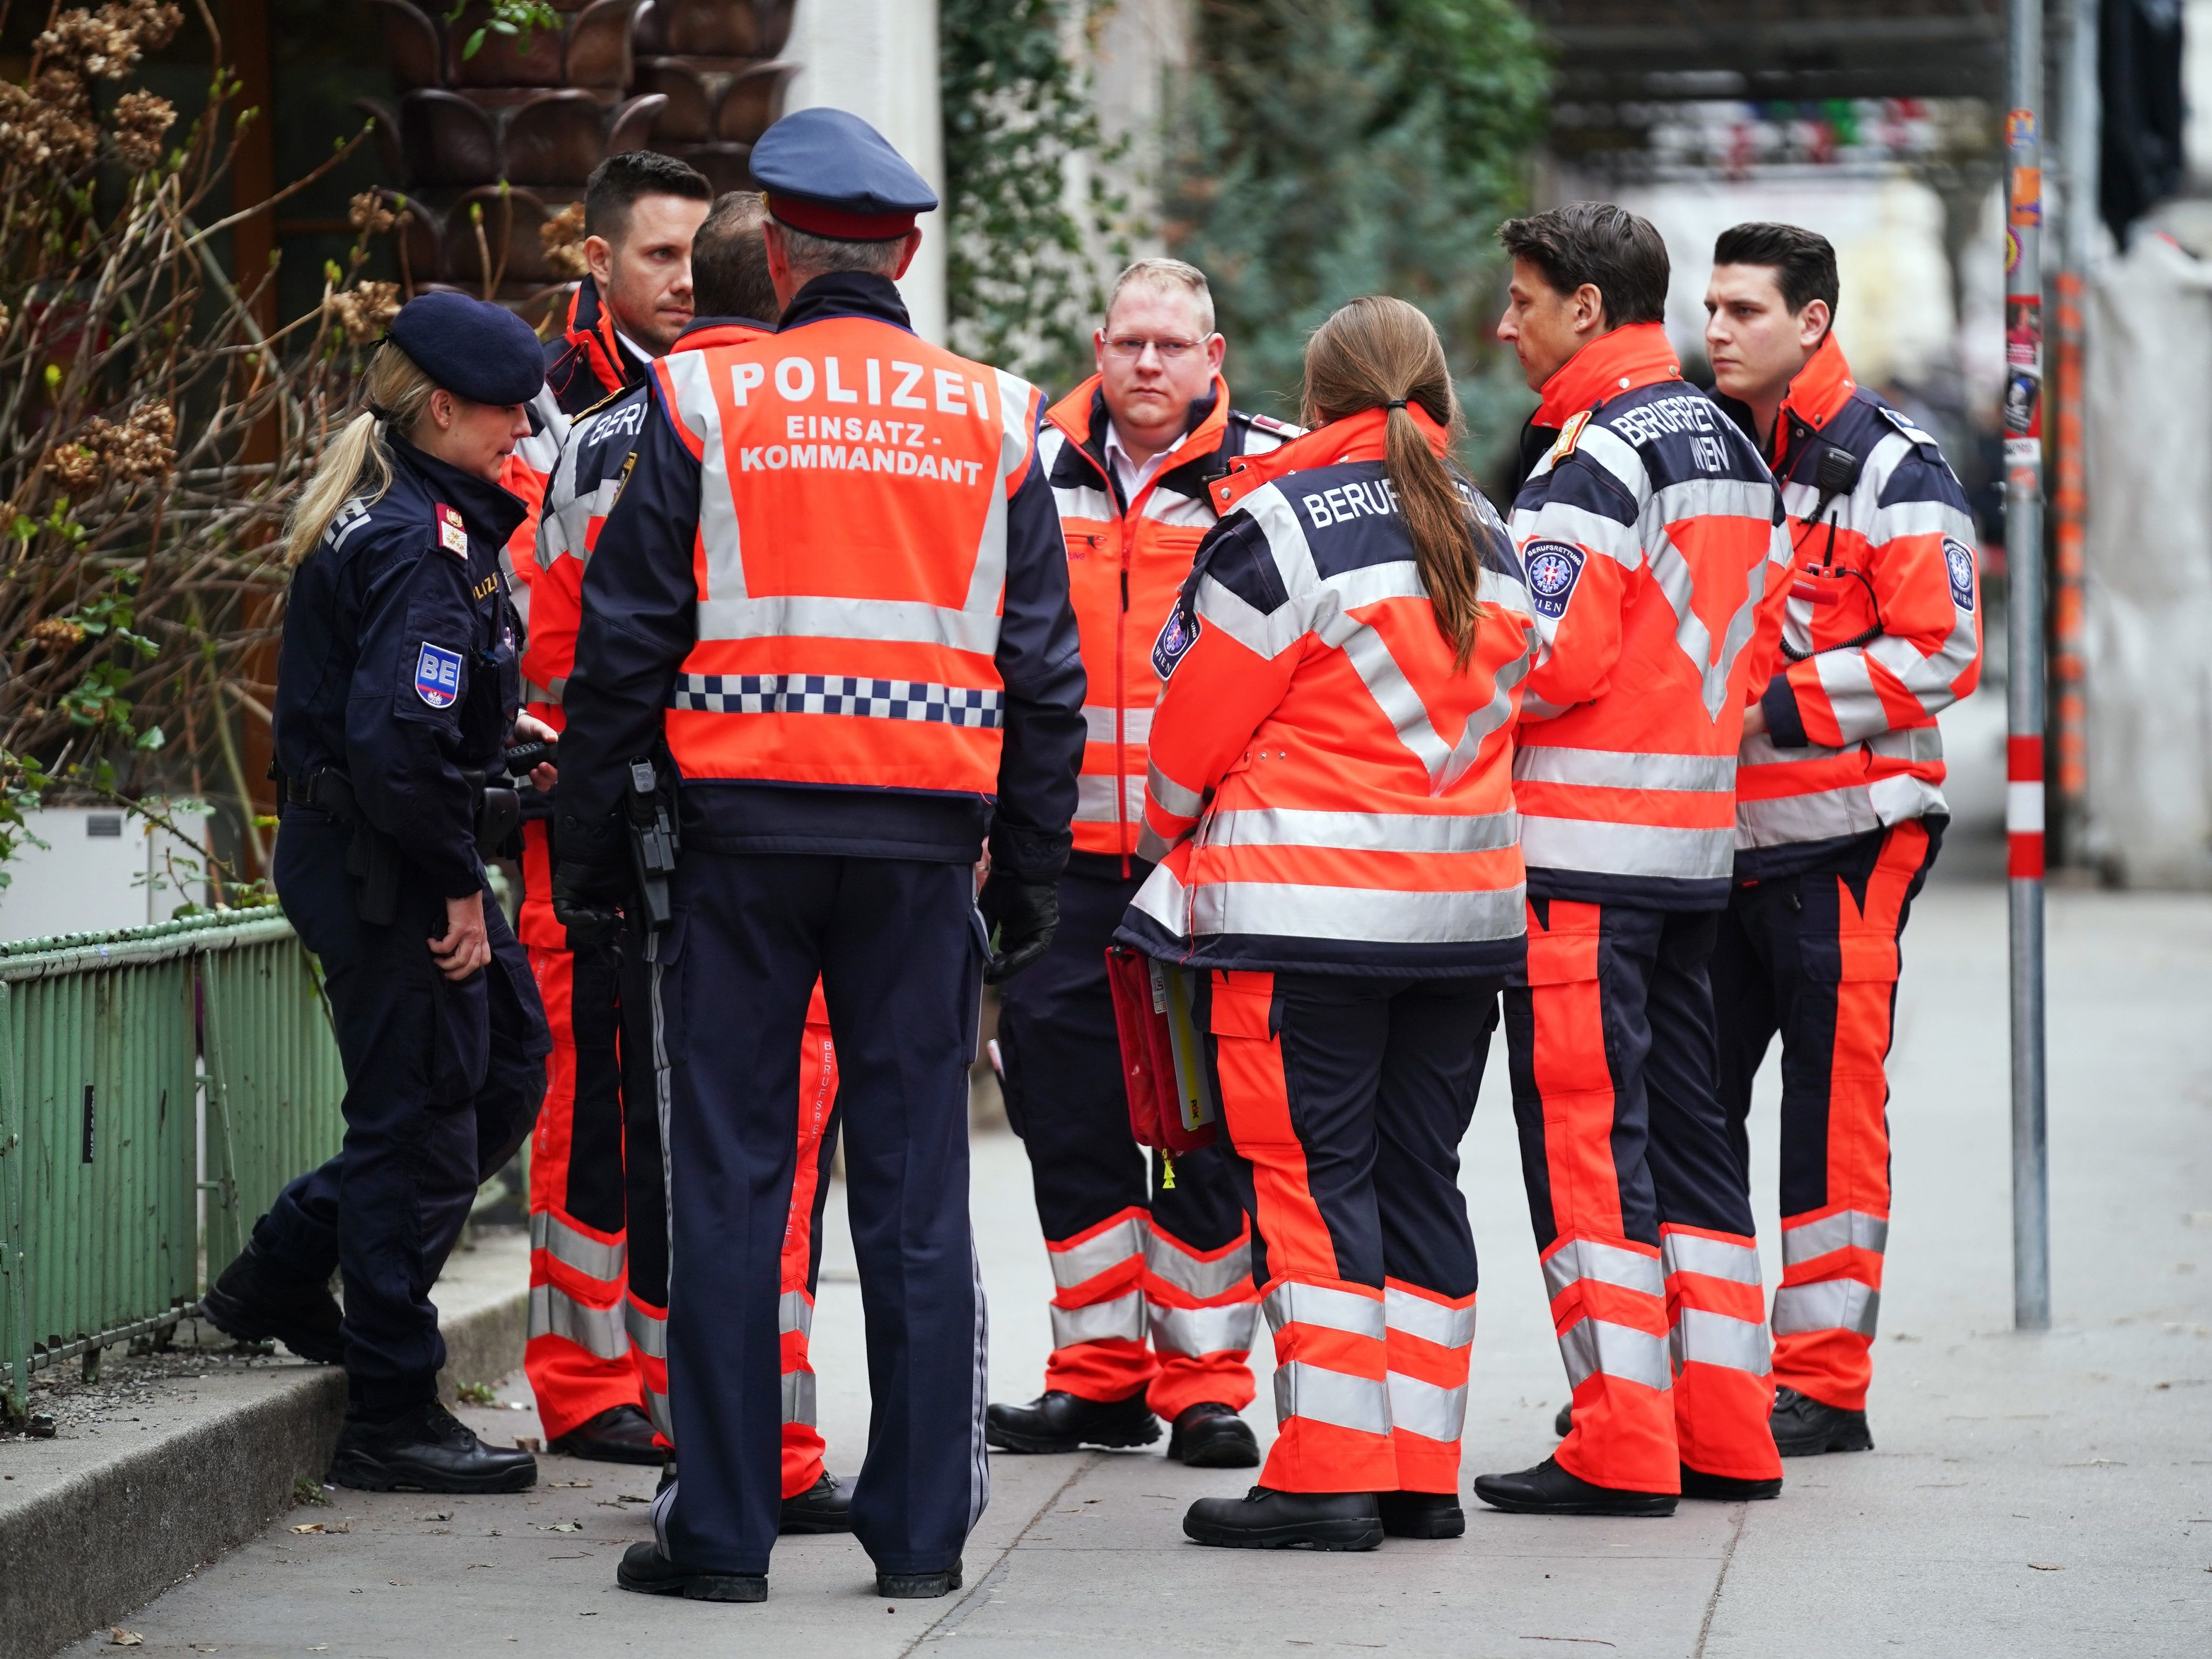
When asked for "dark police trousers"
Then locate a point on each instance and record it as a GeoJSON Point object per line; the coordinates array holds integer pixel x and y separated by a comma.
{"type": "Point", "coordinates": [442, 1085]}
{"type": "Point", "coordinates": [899, 948]}
{"type": "Point", "coordinates": [1131, 1260]}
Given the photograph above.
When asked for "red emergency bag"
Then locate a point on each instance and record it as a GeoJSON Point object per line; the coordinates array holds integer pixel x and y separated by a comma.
{"type": "Point", "coordinates": [1172, 1105]}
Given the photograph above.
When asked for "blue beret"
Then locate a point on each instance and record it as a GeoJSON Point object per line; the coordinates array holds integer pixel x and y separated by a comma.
{"type": "Point", "coordinates": [833, 174]}
{"type": "Point", "coordinates": [473, 348]}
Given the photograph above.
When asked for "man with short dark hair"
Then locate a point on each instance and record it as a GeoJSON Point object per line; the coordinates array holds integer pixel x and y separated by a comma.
{"type": "Point", "coordinates": [641, 210]}
{"type": "Point", "coordinates": [1839, 801]}
{"type": "Point", "coordinates": [1650, 533]}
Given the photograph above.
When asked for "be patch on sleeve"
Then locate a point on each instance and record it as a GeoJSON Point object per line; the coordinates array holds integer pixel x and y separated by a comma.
{"type": "Point", "coordinates": [1177, 635]}
{"type": "Point", "coordinates": [1553, 570]}
{"type": "Point", "coordinates": [438, 676]}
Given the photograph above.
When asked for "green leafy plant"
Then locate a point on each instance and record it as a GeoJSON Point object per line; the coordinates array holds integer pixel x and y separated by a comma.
{"type": "Point", "coordinates": [1320, 150]}
{"type": "Point", "coordinates": [1023, 266]}
{"type": "Point", "coordinates": [516, 19]}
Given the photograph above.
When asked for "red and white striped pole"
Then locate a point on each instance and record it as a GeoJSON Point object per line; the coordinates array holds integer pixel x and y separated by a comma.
{"type": "Point", "coordinates": [2024, 687]}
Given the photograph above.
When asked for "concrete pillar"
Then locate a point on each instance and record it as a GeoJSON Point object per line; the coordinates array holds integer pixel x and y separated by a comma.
{"type": "Point", "coordinates": [877, 59]}
{"type": "Point", "coordinates": [1139, 44]}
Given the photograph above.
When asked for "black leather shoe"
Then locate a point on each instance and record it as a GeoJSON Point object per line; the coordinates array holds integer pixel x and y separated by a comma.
{"type": "Point", "coordinates": [1057, 1422]}
{"type": "Point", "coordinates": [644, 1569]}
{"type": "Point", "coordinates": [620, 1434]}
{"type": "Point", "coordinates": [1804, 1427]}
{"type": "Point", "coordinates": [1727, 1488]}
{"type": "Point", "coordinates": [667, 1477]}
{"type": "Point", "coordinates": [1547, 1489]}
{"type": "Point", "coordinates": [1565, 1420]}
{"type": "Point", "coordinates": [426, 1450]}
{"type": "Point", "coordinates": [1267, 1519]}
{"type": "Point", "coordinates": [256, 1300]}
{"type": "Point", "coordinates": [920, 1586]}
{"type": "Point", "coordinates": [825, 1506]}
{"type": "Point", "coordinates": [1421, 1514]}
{"type": "Point", "coordinates": [1209, 1436]}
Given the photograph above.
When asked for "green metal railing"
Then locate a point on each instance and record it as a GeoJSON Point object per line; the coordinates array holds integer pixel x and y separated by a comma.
{"type": "Point", "coordinates": [139, 1071]}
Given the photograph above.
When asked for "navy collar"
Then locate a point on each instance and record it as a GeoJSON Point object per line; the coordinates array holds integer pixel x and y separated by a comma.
{"type": "Point", "coordinates": [732, 321]}
{"type": "Point", "coordinates": [491, 511]}
{"type": "Point", "coordinates": [848, 293]}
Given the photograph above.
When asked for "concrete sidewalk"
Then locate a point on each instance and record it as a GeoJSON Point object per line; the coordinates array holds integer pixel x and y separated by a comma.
{"type": "Point", "coordinates": [2028, 1495]}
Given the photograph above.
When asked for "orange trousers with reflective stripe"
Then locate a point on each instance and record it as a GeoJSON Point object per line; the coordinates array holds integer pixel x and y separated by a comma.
{"type": "Point", "coordinates": [599, 1260]}
{"type": "Point", "coordinates": [1642, 1212]}
{"type": "Point", "coordinates": [1814, 957]}
{"type": "Point", "coordinates": [1344, 1100]}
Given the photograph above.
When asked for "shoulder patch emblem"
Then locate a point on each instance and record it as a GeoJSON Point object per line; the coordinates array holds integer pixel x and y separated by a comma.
{"type": "Point", "coordinates": [1281, 428]}
{"type": "Point", "coordinates": [1959, 564]}
{"type": "Point", "coordinates": [438, 676]}
{"type": "Point", "coordinates": [452, 534]}
{"type": "Point", "coordinates": [1570, 436]}
{"type": "Point", "coordinates": [1913, 434]}
{"type": "Point", "coordinates": [1553, 570]}
{"type": "Point", "coordinates": [1177, 635]}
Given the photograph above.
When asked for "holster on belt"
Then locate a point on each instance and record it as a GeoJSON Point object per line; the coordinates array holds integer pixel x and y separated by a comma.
{"type": "Point", "coordinates": [371, 857]}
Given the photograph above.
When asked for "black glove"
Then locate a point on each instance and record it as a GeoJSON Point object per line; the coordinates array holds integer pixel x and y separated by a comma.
{"type": "Point", "coordinates": [1021, 916]}
{"type": "Point", "coordinates": [587, 902]}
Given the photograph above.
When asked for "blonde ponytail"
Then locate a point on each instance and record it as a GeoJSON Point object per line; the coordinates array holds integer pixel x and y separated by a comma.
{"type": "Point", "coordinates": [358, 461]}
{"type": "Point", "coordinates": [1381, 353]}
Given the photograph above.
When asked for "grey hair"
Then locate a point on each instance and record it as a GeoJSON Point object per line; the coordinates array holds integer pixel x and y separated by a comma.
{"type": "Point", "coordinates": [810, 255]}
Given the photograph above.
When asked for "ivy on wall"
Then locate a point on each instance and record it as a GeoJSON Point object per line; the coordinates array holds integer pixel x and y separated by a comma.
{"type": "Point", "coordinates": [1026, 245]}
{"type": "Point", "coordinates": [1320, 150]}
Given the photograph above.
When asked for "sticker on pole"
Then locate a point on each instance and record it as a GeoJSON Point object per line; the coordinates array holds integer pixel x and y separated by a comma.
{"type": "Point", "coordinates": [438, 676]}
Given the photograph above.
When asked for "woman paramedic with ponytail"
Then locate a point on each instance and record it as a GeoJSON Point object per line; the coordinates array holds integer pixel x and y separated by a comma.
{"type": "Point", "coordinates": [1330, 803]}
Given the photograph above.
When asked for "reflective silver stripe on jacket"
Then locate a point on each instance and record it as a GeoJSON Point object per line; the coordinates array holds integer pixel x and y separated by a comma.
{"type": "Point", "coordinates": [1608, 1264]}
{"type": "Point", "coordinates": [1705, 1338]}
{"type": "Point", "coordinates": [1100, 1322]}
{"type": "Point", "coordinates": [1713, 1258]}
{"type": "Point", "coordinates": [1362, 832]}
{"type": "Point", "coordinates": [1098, 724]}
{"type": "Point", "coordinates": [1433, 1322]}
{"type": "Point", "coordinates": [1304, 1389]}
{"type": "Point", "coordinates": [1802, 1241]}
{"type": "Point", "coordinates": [1422, 1409]}
{"type": "Point", "coordinates": [1604, 769]}
{"type": "Point", "coordinates": [1198, 1331]}
{"type": "Point", "coordinates": [1201, 1280]}
{"type": "Point", "coordinates": [598, 1331]}
{"type": "Point", "coordinates": [1292, 1303]}
{"type": "Point", "coordinates": [1627, 849]}
{"type": "Point", "coordinates": [1832, 1304]}
{"type": "Point", "coordinates": [1369, 914]}
{"type": "Point", "coordinates": [1095, 802]}
{"type": "Point", "coordinates": [795, 1312]}
{"type": "Point", "coordinates": [592, 1257]}
{"type": "Point", "coordinates": [648, 1331]}
{"type": "Point", "coordinates": [799, 1397]}
{"type": "Point", "coordinates": [1078, 1264]}
{"type": "Point", "coordinates": [1594, 1345]}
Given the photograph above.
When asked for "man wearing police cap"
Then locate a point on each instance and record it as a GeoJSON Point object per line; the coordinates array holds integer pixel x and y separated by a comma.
{"type": "Point", "coordinates": [832, 597]}
{"type": "Point", "coordinates": [396, 692]}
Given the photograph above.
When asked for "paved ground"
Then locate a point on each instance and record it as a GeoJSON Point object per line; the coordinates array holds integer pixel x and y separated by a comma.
{"type": "Point", "coordinates": [2029, 1495]}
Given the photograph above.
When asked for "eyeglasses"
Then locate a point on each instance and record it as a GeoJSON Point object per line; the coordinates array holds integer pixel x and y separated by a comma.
{"type": "Point", "coordinates": [1128, 348]}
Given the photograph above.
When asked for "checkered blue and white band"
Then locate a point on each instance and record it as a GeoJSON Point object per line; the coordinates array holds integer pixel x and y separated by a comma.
{"type": "Point", "coordinates": [835, 694]}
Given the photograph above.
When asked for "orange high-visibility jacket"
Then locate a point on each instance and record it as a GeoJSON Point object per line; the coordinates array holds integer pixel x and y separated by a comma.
{"type": "Point", "coordinates": [1328, 792]}
{"type": "Point", "coordinates": [1881, 631]}
{"type": "Point", "coordinates": [1657, 560]}
{"type": "Point", "coordinates": [1126, 563]}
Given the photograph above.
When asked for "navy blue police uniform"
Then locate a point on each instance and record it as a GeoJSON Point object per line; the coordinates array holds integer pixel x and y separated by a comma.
{"type": "Point", "coordinates": [858, 871]}
{"type": "Point", "coordinates": [397, 686]}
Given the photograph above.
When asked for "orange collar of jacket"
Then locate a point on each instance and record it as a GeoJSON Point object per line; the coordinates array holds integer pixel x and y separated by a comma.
{"type": "Point", "coordinates": [720, 331]}
{"type": "Point", "coordinates": [1816, 396]}
{"type": "Point", "coordinates": [590, 329]}
{"type": "Point", "coordinates": [1354, 438]}
{"type": "Point", "coordinates": [1073, 415]}
{"type": "Point", "coordinates": [1629, 358]}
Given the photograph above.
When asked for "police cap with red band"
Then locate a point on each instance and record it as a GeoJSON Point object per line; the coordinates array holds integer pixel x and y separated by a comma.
{"type": "Point", "coordinates": [832, 175]}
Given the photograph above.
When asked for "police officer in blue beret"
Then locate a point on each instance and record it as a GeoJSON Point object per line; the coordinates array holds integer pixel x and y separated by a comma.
{"type": "Point", "coordinates": [396, 696]}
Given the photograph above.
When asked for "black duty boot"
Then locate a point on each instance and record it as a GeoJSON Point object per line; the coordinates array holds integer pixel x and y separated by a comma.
{"type": "Point", "coordinates": [644, 1569]}
{"type": "Point", "coordinates": [1804, 1427]}
{"type": "Point", "coordinates": [825, 1506]}
{"type": "Point", "coordinates": [1057, 1422]}
{"type": "Point", "coordinates": [920, 1586]}
{"type": "Point", "coordinates": [620, 1434]}
{"type": "Point", "coordinates": [256, 1299]}
{"type": "Point", "coordinates": [1267, 1519]}
{"type": "Point", "coordinates": [1209, 1436]}
{"type": "Point", "coordinates": [667, 1477]}
{"type": "Point", "coordinates": [426, 1450]}
{"type": "Point", "coordinates": [1422, 1514]}
{"type": "Point", "coordinates": [1565, 1420]}
{"type": "Point", "coordinates": [1727, 1488]}
{"type": "Point", "coordinates": [1547, 1489]}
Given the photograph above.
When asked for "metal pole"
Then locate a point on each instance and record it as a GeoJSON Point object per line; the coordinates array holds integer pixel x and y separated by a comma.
{"type": "Point", "coordinates": [2076, 148]}
{"type": "Point", "coordinates": [2024, 688]}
